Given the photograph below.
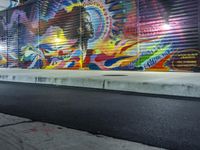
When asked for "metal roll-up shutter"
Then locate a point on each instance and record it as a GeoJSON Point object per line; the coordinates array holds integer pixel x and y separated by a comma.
{"type": "Point", "coordinates": [156, 35]}
{"type": "Point", "coordinates": [169, 39]}
{"type": "Point", "coordinates": [30, 55]}
{"type": "Point", "coordinates": [113, 45]}
{"type": "Point", "coordinates": [12, 37]}
{"type": "Point", "coordinates": [3, 40]}
{"type": "Point", "coordinates": [60, 33]}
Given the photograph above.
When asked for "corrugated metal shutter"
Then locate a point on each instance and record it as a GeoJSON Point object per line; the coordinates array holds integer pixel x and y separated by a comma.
{"type": "Point", "coordinates": [28, 29]}
{"type": "Point", "coordinates": [168, 35]}
{"type": "Point", "coordinates": [59, 28]}
{"type": "Point", "coordinates": [3, 40]}
{"type": "Point", "coordinates": [115, 34]}
{"type": "Point", "coordinates": [12, 37]}
{"type": "Point", "coordinates": [159, 35]}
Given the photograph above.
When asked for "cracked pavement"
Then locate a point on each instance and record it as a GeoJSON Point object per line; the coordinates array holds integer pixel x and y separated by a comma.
{"type": "Point", "coordinates": [23, 134]}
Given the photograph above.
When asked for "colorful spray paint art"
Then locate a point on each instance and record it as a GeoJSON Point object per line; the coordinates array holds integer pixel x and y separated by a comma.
{"type": "Point", "coordinates": [147, 35]}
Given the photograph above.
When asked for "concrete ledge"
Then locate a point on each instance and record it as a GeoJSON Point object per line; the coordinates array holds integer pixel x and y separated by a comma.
{"type": "Point", "coordinates": [176, 84]}
{"type": "Point", "coordinates": [154, 88]}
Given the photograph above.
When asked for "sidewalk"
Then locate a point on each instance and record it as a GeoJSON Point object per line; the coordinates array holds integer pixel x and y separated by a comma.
{"type": "Point", "coordinates": [19, 133]}
{"type": "Point", "coordinates": [165, 83]}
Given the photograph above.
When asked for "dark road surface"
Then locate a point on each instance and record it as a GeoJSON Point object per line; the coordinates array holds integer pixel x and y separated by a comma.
{"type": "Point", "coordinates": [168, 122]}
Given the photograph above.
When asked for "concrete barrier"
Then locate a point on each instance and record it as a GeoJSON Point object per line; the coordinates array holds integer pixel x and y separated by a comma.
{"type": "Point", "coordinates": [169, 83]}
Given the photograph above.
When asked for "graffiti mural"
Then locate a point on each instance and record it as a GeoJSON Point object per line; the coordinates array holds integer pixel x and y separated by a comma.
{"type": "Point", "coordinates": [156, 35]}
{"type": "Point", "coordinates": [172, 33]}
{"type": "Point", "coordinates": [3, 43]}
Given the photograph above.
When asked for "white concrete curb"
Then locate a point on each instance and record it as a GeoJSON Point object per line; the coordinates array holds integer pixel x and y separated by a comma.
{"type": "Point", "coordinates": [177, 84]}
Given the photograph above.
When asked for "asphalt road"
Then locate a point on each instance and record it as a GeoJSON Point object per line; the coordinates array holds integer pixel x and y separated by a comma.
{"type": "Point", "coordinates": [162, 121]}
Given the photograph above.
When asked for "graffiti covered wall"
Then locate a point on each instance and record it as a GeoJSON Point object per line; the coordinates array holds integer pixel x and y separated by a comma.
{"type": "Point", "coordinates": [156, 35]}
